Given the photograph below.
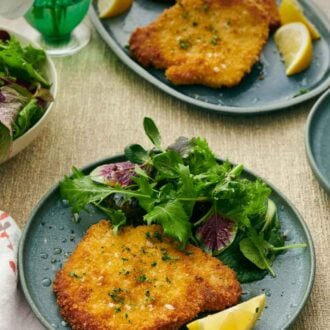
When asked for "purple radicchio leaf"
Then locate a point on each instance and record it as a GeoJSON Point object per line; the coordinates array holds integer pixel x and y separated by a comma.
{"type": "Point", "coordinates": [11, 103]}
{"type": "Point", "coordinates": [114, 174]}
{"type": "Point", "coordinates": [216, 234]}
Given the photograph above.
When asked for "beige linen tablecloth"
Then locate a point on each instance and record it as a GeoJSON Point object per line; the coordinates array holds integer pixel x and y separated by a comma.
{"type": "Point", "coordinates": [99, 110]}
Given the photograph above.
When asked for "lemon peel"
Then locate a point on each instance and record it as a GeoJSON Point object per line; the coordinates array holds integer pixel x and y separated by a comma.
{"type": "Point", "coordinates": [240, 317]}
{"type": "Point", "coordinates": [112, 8]}
{"type": "Point", "coordinates": [295, 45]}
{"type": "Point", "coordinates": [290, 11]}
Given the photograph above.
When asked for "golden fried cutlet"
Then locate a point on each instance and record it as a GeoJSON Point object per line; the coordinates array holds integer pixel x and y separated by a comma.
{"type": "Point", "coordinates": [271, 11]}
{"type": "Point", "coordinates": [139, 280]}
{"type": "Point", "coordinates": [209, 42]}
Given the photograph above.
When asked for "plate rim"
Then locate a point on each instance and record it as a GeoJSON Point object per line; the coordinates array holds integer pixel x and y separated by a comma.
{"type": "Point", "coordinates": [222, 109]}
{"type": "Point", "coordinates": [308, 141]}
{"type": "Point", "coordinates": [21, 272]}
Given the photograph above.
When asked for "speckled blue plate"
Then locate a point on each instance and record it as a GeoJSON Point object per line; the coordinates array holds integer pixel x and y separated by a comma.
{"type": "Point", "coordinates": [50, 236]}
{"type": "Point", "coordinates": [274, 91]}
{"type": "Point", "coordinates": [318, 140]}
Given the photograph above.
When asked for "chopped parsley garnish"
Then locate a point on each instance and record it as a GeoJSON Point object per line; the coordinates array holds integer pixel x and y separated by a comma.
{"type": "Point", "coordinates": [149, 298]}
{"type": "Point", "coordinates": [124, 272]}
{"type": "Point", "coordinates": [184, 44]}
{"type": "Point", "coordinates": [74, 274]}
{"type": "Point", "coordinates": [116, 295]}
{"type": "Point", "coordinates": [302, 91]}
{"type": "Point", "coordinates": [158, 236]}
{"type": "Point", "coordinates": [215, 40]}
{"type": "Point", "coordinates": [142, 278]}
{"type": "Point", "coordinates": [166, 256]}
{"type": "Point", "coordinates": [154, 264]}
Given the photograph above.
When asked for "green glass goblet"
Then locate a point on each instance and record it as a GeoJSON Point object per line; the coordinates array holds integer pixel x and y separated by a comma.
{"type": "Point", "coordinates": [58, 23]}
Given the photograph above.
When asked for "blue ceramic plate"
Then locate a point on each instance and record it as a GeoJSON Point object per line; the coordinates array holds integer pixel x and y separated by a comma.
{"type": "Point", "coordinates": [274, 92]}
{"type": "Point", "coordinates": [318, 140]}
{"type": "Point", "coordinates": [50, 236]}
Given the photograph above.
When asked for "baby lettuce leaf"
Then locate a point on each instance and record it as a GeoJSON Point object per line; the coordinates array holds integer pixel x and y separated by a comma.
{"type": "Point", "coordinates": [152, 132]}
{"type": "Point", "coordinates": [167, 165]}
{"type": "Point", "coordinates": [136, 154]}
{"type": "Point", "coordinates": [27, 117]}
{"type": "Point", "coordinates": [234, 258]}
{"type": "Point", "coordinates": [17, 62]}
{"type": "Point", "coordinates": [11, 104]}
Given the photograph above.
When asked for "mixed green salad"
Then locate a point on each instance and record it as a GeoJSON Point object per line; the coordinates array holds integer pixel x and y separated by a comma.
{"type": "Point", "coordinates": [194, 197]}
{"type": "Point", "coordinates": [24, 91]}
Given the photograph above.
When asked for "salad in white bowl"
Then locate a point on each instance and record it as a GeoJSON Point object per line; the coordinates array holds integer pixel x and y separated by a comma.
{"type": "Point", "coordinates": [28, 85]}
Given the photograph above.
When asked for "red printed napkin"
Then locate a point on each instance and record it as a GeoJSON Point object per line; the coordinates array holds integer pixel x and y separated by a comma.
{"type": "Point", "coordinates": [15, 314]}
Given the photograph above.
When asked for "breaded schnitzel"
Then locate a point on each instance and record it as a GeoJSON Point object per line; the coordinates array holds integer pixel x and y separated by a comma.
{"type": "Point", "coordinates": [271, 11]}
{"type": "Point", "coordinates": [209, 42]}
{"type": "Point", "coordinates": [140, 280]}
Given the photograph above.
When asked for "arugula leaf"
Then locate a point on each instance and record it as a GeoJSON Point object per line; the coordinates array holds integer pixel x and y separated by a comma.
{"type": "Point", "coordinates": [152, 131]}
{"type": "Point", "coordinates": [145, 188]}
{"type": "Point", "coordinates": [186, 189]}
{"type": "Point", "coordinates": [136, 154]}
{"type": "Point", "coordinates": [174, 220]}
{"type": "Point", "coordinates": [81, 191]}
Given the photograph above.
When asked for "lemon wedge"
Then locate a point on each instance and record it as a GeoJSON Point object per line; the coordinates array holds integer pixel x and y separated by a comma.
{"type": "Point", "coordinates": [240, 317]}
{"type": "Point", "coordinates": [295, 45]}
{"type": "Point", "coordinates": [111, 8]}
{"type": "Point", "coordinates": [290, 11]}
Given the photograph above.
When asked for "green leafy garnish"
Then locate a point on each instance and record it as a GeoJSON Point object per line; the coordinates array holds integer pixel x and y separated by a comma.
{"type": "Point", "coordinates": [24, 91]}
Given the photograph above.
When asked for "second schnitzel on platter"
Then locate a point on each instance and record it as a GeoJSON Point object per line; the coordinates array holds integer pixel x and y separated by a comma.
{"type": "Point", "coordinates": [208, 42]}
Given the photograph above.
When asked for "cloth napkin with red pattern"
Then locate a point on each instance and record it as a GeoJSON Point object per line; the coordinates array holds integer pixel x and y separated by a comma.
{"type": "Point", "coordinates": [15, 314]}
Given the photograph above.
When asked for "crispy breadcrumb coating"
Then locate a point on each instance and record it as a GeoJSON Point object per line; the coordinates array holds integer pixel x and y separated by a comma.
{"type": "Point", "coordinates": [139, 279]}
{"type": "Point", "coordinates": [209, 42]}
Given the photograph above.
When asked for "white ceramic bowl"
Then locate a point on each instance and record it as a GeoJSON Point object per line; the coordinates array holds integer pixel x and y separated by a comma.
{"type": "Point", "coordinates": [50, 73]}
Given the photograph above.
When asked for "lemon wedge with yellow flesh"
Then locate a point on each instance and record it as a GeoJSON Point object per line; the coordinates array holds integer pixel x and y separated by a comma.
{"type": "Point", "coordinates": [111, 8]}
{"type": "Point", "coordinates": [290, 11]}
{"type": "Point", "coordinates": [295, 45]}
{"type": "Point", "coordinates": [240, 317]}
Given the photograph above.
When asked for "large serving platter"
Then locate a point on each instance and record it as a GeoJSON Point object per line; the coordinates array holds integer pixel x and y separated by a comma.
{"type": "Point", "coordinates": [265, 89]}
{"type": "Point", "coordinates": [51, 235]}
